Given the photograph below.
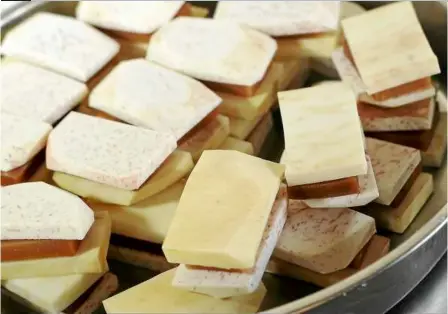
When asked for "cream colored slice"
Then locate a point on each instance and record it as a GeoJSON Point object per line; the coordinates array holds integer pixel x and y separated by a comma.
{"type": "Point", "coordinates": [250, 108]}
{"type": "Point", "coordinates": [258, 136]}
{"type": "Point", "coordinates": [323, 136]}
{"type": "Point", "coordinates": [434, 156]}
{"type": "Point", "coordinates": [142, 17]}
{"type": "Point", "coordinates": [64, 290]}
{"type": "Point", "coordinates": [350, 75]}
{"type": "Point", "coordinates": [211, 50]}
{"type": "Point", "coordinates": [148, 220]}
{"type": "Point", "coordinates": [282, 18]}
{"type": "Point", "coordinates": [324, 240]}
{"type": "Point", "coordinates": [22, 139]}
{"type": "Point", "coordinates": [34, 211]}
{"type": "Point", "coordinates": [61, 44]}
{"type": "Point", "coordinates": [36, 93]}
{"type": "Point", "coordinates": [211, 136]}
{"type": "Point", "coordinates": [240, 128]}
{"type": "Point", "coordinates": [393, 165]}
{"type": "Point", "coordinates": [167, 299]}
{"type": "Point", "coordinates": [108, 152]}
{"type": "Point", "coordinates": [295, 72]}
{"type": "Point", "coordinates": [235, 144]}
{"type": "Point", "coordinates": [90, 257]}
{"type": "Point", "coordinates": [176, 166]}
{"type": "Point", "coordinates": [368, 192]}
{"type": "Point", "coordinates": [398, 219]}
{"type": "Point", "coordinates": [145, 94]}
{"type": "Point", "coordinates": [236, 200]}
{"type": "Point", "coordinates": [400, 55]}
{"type": "Point", "coordinates": [224, 284]}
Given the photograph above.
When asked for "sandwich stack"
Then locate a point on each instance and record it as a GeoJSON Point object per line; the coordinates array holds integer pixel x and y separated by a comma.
{"type": "Point", "coordinates": [391, 75]}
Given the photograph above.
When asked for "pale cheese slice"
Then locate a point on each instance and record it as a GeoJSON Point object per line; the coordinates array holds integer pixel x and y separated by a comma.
{"type": "Point", "coordinates": [236, 199]}
{"type": "Point", "coordinates": [22, 139]}
{"type": "Point", "coordinates": [225, 284]}
{"type": "Point", "coordinates": [235, 144]}
{"type": "Point", "coordinates": [164, 298]}
{"type": "Point", "coordinates": [323, 135]}
{"type": "Point", "coordinates": [240, 128]}
{"type": "Point", "coordinates": [148, 95]}
{"type": "Point", "coordinates": [349, 75]}
{"type": "Point", "coordinates": [36, 210]}
{"type": "Point", "coordinates": [37, 93]}
{"type": "Point", "coordinates": [212, 50]}
{"type": "Point", "coordinates": [368, 192]}
{"type": "Point", "coordinates": [401, 54]}
{"type": "Point", "coordinates": [295, 72]}
{"type": "Point", "coordinates": [108, 152]}
{"type": "Point", "coordinates": [324, 240]}
{"type": "Point", "coordinates": [141, 17]}
{"type": "Point", "coordinates": [434, 155]}
{"type": "Point", "coordinates": [90, 257]}
{"type": "Point", "coordinates": [60, 43]}
{"type": "Point", "coordinates": [176, 166]}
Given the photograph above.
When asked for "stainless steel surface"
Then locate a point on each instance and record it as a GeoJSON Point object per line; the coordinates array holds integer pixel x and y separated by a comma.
{"type": "Point", "coordinates": [380, 286]}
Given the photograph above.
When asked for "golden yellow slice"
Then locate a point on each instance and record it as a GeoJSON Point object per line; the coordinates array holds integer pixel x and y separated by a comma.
{"type": "Point", "coordinates": [199, 11]}
{"type": "Point", "coordinates": [235, 144]}
{"type": "Point", "coordinates": [240, 128]}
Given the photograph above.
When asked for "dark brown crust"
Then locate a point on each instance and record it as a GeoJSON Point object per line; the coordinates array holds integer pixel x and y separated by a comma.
{"type": "Point", "coordinates": [333, 188]}
{"type": "Point", "coordinates": [407, 186]}
{"type": "Point", "coordinates": [24, 172]}
{"type": "Point", "coordinates": [19, 250]}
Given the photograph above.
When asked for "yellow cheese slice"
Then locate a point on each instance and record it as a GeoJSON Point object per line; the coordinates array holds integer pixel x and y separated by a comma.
{"type": "Point", "coordinates": [147, 220]}
{"type": "Point", "coordinates": [90, 258]}
{"type": "Point", "coordinates": [176, 166]}
{"type": "Point", "coordinates": [295, 73]}
{"type": "Point", "coordinates": [157, 295]}
{"type": "Point", "coordinates": [258, 136]}
{"type": "Point", "coordinates": [52, 294]}
{"type": "Point", "coordinates": [240, 128]}
{"type": "Point", "coordinates": [199, 11]}
{"type": "Point", "coordinates": [221, 217]}
{"type": "Point", "coordinates": [235, 144]}
{"type": "Point", "coordinates": [433, 156]}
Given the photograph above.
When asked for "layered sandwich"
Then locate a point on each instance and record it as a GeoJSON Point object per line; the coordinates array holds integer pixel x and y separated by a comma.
{"type": "Point", "coordinates": [325, 159]}
{"type": "Point", "coordinates": [246, 201]}
{"type": "Point", "coordinates": [402, 185]}
{"type": "Point", "coordinates": [46, 245]}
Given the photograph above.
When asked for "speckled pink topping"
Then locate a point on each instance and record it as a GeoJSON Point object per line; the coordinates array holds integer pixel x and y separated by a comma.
{"type": "Point", "coordinates": [108, 152]}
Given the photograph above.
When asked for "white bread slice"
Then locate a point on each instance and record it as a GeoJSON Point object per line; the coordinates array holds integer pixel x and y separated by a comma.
{"type": "Point", "coordinates": [224, 284]}
{"type": "Point", "coordinates": [237, 200]}
{"type": "Point", "coordinates": [107, 152]}
{"type": "Point", "coordinates": [282, 18]}
{"type": "Point", "coordinates": [61, 44]}
{"type": "Point", "coordinates": [350, 75]}
{"type": "Point", "coordinates": [393, 165]}
{"type": "Point", "coordinates": [324, 240]}
{"type": "Point", "coordinates": [368, 192]}
{"type": "Point", "coordinates": [22, 139]}
{"type": "Point", "coordinates": [37, 93]}
{"type": "Point", "coordinates": [38, 210]}
{"type": "Point", "coordinates": [148, 95]}
{"type": "Point", "coordinates": [142, 17]}
{"type": "Point", "coordinates": [323, 134]}
{"type": "Point", "coordinates": [167, 299]}
{"type": "Point", "coordinates": [434, 156]}
{"type": "Point", "coordinates": [232, 143]}
{"type": "Point", "coordinates": [212, 50]}
{"type": "Point", "coordinates": [401, 54]}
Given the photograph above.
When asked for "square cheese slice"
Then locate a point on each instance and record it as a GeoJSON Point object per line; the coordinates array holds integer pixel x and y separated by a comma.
{"type": "Point", "coordinates": [434, 156]}
{"type": "Point", "coordinates": [22, 139]}
{"type": "Point", "coordinates": [145, 94]}
{"type": "Point", "coordinates": [393, 165]}
{"type": "Point", "coordinates": [164, 298]}
{"type": "Point", "coordinates": [235, 144]}
{"type": "Point", "coordinates": [401, 54]}
{"type": "Point", "coordinates": [37, 93]}
{"type": "Point", "coordinates": [212, 50]}
{"type": "Point", "coordinates": [236, 200]}
{"type": "Point", "coordinates": [323, 135]}
{"type": "Point", "coordinates": [108, 152]}
{"type": "Point", "coordinates": [61, 44]}
{"type": "Point", "coordinates": [90, 258]}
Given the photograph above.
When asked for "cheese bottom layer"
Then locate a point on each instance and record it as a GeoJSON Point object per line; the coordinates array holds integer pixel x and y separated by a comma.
{"type": "Point", "coordinates": [433, 156]}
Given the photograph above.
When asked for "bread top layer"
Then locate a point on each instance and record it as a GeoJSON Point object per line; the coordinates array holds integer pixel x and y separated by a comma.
{"type": "Point", "coordinates": [212, 50]}
{"type": "Point", "coordinates": [146, 94]}
{"type": "Point", "coordinates": [282, 18]}
{"type": "Point", "coordinates": [37, 210]}
{"type": "Point", "coordinates": [22, 139]}
{"type": "Point", "coordinates": [142, 17]}
{"type": "Point", "coordinates": [108, 152]}
{"type": "Point", "coordinates": [36, 93]}
{"type": "Point", "coordinates": [61, 44]}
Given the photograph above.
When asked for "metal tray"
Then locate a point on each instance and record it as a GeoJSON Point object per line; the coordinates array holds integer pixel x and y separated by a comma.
{"type": "Point", "coordinates": [376, 288]}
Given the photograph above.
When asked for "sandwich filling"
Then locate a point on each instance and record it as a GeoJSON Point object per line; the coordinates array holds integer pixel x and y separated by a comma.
{"type": "Point", "coordinates": [15, 250]}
